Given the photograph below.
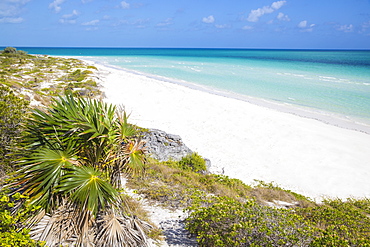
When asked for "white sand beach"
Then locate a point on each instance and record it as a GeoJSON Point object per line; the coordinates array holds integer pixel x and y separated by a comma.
{"type": "Point", "coordinates": [247, 141]}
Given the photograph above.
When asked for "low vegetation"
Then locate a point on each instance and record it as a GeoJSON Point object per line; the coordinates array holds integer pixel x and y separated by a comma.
{"type": "Point", "coordinates": [72, 153]}
{"type": "Point", "coordinates": [10, 233]}
{"type": "Point", "coordinates": [40, 78]}
{"type": "Point", "coordinates": [226, 212]}
{"type": "Point", "coordinates": [222, 221]}
{"type": "Point", "coordinates": [13, 112]}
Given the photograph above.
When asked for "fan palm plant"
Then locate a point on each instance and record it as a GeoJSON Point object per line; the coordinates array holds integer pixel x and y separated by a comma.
{"type": "Point", "coordinates": [78, 150]}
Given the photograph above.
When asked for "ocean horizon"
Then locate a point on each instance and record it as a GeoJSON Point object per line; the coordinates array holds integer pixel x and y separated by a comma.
{"type": "Point", "coordinates": [329, 85]}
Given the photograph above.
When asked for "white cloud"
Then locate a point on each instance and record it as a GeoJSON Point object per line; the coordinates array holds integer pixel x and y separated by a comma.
{"type": "Point", "coordinates": [345, 28]}
{"type": "Point", "coordinates": [72, 15]}
{"type": "Point", "coordinates": [17, 1]}
{"type": "Point", "coordinates": [70, 18]}
{"type": "Point", "coordinates": [91, 23]}
{"type": "Point", "coordinates": [302, 24]}
{"type": "Point", "coordinates": [125, 5]}
{"type": "Point", "coordinates": [66, 21]}
{"type": "Point", "coordinates": [6, 10]}
{"type": "Point", "coordinates": [56, 5]}
{"type": "Point", "coordinates": [278, 4]}
{"type": "Point", "coordinates": [255, 14]}
{"type": "Point", "coordinates": [209, 19]}
{"type": "Point", "coordinates": [365, 26]}
{"type": "Point", "coordinates": [11, 20]}
{"type": "Point", "coordinates": [283, 17]}
{"type": "Point", "coordinates": [247, 28]}
{"type": "Point", "coordinates": [164, 23]}
{"type": "Point", "coordinates": [222, 26]}
{"type": "Point", "coordinates": [10, 10]}
{"type": "Point", "coordinates": [139, 23]}
{"type": "Point", "coordinates": [91, 28]}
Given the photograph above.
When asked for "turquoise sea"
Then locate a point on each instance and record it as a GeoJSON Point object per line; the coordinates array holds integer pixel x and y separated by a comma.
{"type": "Point", "coordinates": [333, 83]}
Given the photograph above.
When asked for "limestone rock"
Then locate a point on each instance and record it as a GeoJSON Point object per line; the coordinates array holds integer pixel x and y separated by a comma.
{"type": "Point", "coordinates": [163, 146]}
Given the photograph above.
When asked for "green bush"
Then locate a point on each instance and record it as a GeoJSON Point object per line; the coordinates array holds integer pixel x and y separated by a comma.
{"type": "Point", "coordinates": [227, 222]}
{"type": "Point", "coordinates": [340, 223]}
{"type": "Point", "coordinates": [10, 50]}
{"type": "Point", "coordinates": [12, 115]}
{"type": "Point", "coordinates": [221, 221]}
{"type": "Point", "coordinates": [10, 234]}
{"type": "Point", "coordinates": [13, 51]}
{"type": "Point", "coordinates": [193, 162]}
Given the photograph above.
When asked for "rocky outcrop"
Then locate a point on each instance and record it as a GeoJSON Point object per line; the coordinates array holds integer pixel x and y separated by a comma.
{"type": "Point", "coordinates": [163, 146]}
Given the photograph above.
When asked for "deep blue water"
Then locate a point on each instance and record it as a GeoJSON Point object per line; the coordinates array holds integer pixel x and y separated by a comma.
{"type": "Point", "coordinates": [329, 81]}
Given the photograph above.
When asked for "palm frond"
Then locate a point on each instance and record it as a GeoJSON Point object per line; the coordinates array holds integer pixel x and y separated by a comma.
{"type": "Point", "coordinates": [125, 129]}
{"type": "Point", "coordinates": [121, 231]}
{"type": "Point", "coordinates": [134, 157]}
{"type": "Point", "coordinates": [42, 173]}
{"type": "Point", "coordinates": [84, 221]}
{"type": "Point", "coordinates": [78, 150]}
{"type": "Point", "coordinates": [58, 228]}
{"type": "Point", "coordinates": [88, 189]}
{"type": "Point", "coordinates": [130, 161]}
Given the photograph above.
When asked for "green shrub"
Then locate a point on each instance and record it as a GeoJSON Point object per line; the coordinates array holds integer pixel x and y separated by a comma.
{"type": "Point", "coordinates": [193, 162]}
{"type": "Point", "coordinates": [10, 50]}
{"type": "Point", "coordinates": [227, 222]}
{"type": "Point", "coordinates": [12, 115]}
{"type": "Point", "coordinates": [270, 192]}
{"type": "Point", "coordinates": [10, 235]}
{"type": "Point", "coordinates": [340, 223]}
{"type": "Point", "coordinates": [13, 51]}
{"type": "Point", "coordinates": [92, 67]}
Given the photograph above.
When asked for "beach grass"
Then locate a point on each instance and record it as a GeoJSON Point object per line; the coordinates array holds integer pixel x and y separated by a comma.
{"type": "Point", "coordinates": [43, 77]}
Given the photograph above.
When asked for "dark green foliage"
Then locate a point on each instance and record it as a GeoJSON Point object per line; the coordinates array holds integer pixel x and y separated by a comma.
{"type": "Point", "coordinates": [13, 52]}
{"type": "Point", "coordinates": [10, 50]}
{"type": "Point", "coordinates": [13, 111]}
{"type": "Point", "coordinates": [193, 162]}
{"type": "Point", "coordinates": [78, 152]}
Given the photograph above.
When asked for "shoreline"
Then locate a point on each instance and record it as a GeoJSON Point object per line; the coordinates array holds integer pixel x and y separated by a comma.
{"type": "Point", "coordinates": [247, 141]}
{"type": "Point", "coordinates": [301, 111]}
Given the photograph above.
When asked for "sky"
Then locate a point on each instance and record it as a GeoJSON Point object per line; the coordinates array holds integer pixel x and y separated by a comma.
{"type": "Point", "coordinates": [282, 24]}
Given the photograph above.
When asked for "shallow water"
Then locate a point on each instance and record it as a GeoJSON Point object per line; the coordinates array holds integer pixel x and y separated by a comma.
{"type": "Point", "coordinates": [331, 83]}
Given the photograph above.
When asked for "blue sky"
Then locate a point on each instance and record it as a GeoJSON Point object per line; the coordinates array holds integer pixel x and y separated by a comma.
{"type": "Point", "coordinates": [333, 24]}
